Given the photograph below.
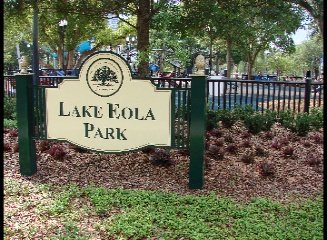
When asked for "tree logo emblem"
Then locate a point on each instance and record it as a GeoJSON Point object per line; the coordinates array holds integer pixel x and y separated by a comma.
{"type": "Point", "coordinates": [104, 77]}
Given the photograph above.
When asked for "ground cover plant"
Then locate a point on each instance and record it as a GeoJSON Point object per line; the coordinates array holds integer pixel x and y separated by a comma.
{"type": "Point", "coordinates": [253, 190]}
{"type": "Point", "coordinates": [9, 112]}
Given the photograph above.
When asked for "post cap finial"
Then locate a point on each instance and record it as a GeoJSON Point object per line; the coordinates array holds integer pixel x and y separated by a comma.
{"type": "Point", "coordinates": [23, 65]}
{"type": "Point", "coordinates": [200, 64]}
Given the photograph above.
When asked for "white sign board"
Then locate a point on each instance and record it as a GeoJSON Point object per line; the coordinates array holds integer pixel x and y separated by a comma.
{"type": "Point", "coordinates": [106, 110]}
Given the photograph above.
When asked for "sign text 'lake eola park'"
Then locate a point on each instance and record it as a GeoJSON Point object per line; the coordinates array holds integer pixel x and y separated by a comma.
{"type": "Point", "coordinates": [106, 110]}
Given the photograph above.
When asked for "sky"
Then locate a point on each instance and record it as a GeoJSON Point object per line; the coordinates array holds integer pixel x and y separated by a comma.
{"type": "Point", "coordinates": [300, 36]}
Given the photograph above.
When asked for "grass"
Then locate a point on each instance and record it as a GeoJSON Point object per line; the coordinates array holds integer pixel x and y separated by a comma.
{"type": "Point", "coordinates": [140, 214]}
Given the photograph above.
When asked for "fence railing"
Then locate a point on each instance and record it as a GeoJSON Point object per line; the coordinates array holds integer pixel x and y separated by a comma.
{"type": "Point", "coordinates": [181, 102]}
{"type": "Point", "coordinates": [273, 95]}
{"type": "Point", "coordinates": [227, 93]}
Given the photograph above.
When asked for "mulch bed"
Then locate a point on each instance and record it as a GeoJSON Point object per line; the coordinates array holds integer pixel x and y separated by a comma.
{"type": "Point", "coordinates": [293, 176]}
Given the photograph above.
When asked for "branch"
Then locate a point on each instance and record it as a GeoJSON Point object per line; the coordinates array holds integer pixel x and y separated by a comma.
{"type": "Point", "coordinates": [128, 23]}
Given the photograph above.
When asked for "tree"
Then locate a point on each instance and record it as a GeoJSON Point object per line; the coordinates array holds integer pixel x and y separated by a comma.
{"type": "Point", "coordinates": [268, 25]}
{"type": "Point", "coordinates": [316, 10]}
{"type": "Point", "coordinates": [80, 26]}
{"type": "Point", "coordinates": [307, 55]}
{"type": "Point", "coordinates": [278, 62]}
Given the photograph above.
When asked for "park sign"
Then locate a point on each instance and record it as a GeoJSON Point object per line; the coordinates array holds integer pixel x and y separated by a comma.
{"type": "Point", "coordinates": [106, 110]}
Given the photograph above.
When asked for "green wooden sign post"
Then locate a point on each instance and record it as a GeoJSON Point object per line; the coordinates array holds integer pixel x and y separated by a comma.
{"type": "Point", "coordinates": [197, 132]}
{"type": "Point", "coordinates": [24, 102]}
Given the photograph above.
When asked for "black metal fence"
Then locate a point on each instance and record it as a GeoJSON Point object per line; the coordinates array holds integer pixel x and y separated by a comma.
{"type": "Point", "coordinates": [274, 95]}
{"type": "Point", "coordinates": [227, 93]}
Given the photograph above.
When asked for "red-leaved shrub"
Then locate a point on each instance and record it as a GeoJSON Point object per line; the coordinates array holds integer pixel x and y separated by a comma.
{"type": "Point", "coordinates": [57, 152]}
{"type": "Point", "coordinates": [6, 147]}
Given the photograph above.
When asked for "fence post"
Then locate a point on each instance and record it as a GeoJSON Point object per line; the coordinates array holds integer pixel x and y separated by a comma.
{"type": "Point", "coordinates": [197, 131]}
{"type": "Point", "coordinates": [307, 92]}
{"type": "Point", "coordinates": [24, 101]}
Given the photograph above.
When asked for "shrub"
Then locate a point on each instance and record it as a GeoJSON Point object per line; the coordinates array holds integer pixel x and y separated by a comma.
{"type": "Point", "coordinates": [267, 169]}
{"type": "Point", "coordinates": [215, 152]}
{"type": "Point", "coordinates": [232, 148]}
{"type": "Point", "coordinates": [9, 108]}
{"type": "Point", "coordinates": [269, 135]}
{"type": "Point", "coordinates": [229, 138]}
{"type": "Point", "coordinates": [246, 143]}
{"type": "Point", "coordinates": [245, 134]}
{"type": "Point", "coordinates": [212, 120]}
{"type": "Point", "coordinates": [216, 132]}
{"type": "Point", "coordinates": [161, 157]}
{"type": "Point", "coordinates": [260, 151]}
{"type": "Point", "coordinates": [276, 144]}
{"type": "Point", "coordinates": [247, 157]}
{"type": "Point", "coordinates": [219, 142]}
{"type": "Point", "coordinates": [316, 118]}
{"type": "Point", "coordinates": [78, 148]}
{"type": "Point", "coordinates": [181, 112]}
{"type": "Point", "coordinates": [302, 124]}
{"type": "Point", "coordinates": [227, 117]}
{"type": "Point", "coordinates": [318, 138]}
{"type": "Point", "coordinates": [6, 147]}
{"type": "Point", "coordinates": [288, 151]}
{"type": "Point", "coordinates": [241, 112]}
{"type": "Point", "coordinates": [57, 152]}
{"type": "Point", "coordinates": [254, 123]}
{"type": "Point", "coordinates": [9, 123]}
{"type": "Point", "coordinates": [306, 143]}
{"type": "Point", "coordinates": [283, 141]}
{"type": "Point", "coordinates": [313, 159]}
{"type": "Point", "coordinates": [269, 118]}
{"type": "Point", "coordinates": [148, 150]}
{"type": "Point", "coordinates": [13, 133]}
{"type": "Point", "coordinates": [286, 119]}
{"type": "Point", "coordinates": [44, 146]}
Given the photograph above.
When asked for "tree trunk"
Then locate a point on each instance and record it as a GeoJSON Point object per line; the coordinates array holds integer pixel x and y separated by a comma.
{"type": "Point", "coordinates": [70, 60]}
{"type": "Point", "coordinates": [60, 57]}
{"type": "Point", "coordinates": [143, 36]}
{"type": "Point", "coordinates": [321, 26]}
{"type": "Point", "coordinates": [229, 58]}
{"type": "Point", "coordinates": [217, 64]}
{"type": "Point", "coordinates": [250, 67]}
{"type": "Point", "coordinates": [210, 59]}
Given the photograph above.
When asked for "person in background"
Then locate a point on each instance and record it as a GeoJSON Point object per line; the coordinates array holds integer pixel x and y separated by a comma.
{"type": "Point", "coordinates": [259, 76]}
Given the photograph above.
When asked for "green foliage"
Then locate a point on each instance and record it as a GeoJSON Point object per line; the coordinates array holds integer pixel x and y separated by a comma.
{"type": "Point", "coordinates": [9, 123]}
{"type": "Point", "coordinates": [62, 200]}
{"type": "Point", "coordinates": [241, 112]}
{"type": "Point", "coordinates": [140, 214]}
{"type": "Point", "coordinates": [227, 117]}
{"type": "Point", "coordinates": [302, 124]}
{"type": "Point", "coordinates": [9, 108]}
{"type": "Point", "coordinates": [71, 232]}
{"type": "Point", "coordinates": [270, 119]}
{"type": "Point", "coordinates": [145, 214]}
{"type": "Point", "coordinates": [212, 120]}
{"type": "Point", "coordinates": [182, 113]}
{"type": "Point", "coordinates": [316, 118]}
{"type": "Point", "coordinates": [286, 119]}
{"type": "Point", "coordinates": [255, 122]}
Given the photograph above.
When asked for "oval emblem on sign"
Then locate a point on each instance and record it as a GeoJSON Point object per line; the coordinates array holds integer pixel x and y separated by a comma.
{"type": "Point", "coordinates": [104, 77]}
